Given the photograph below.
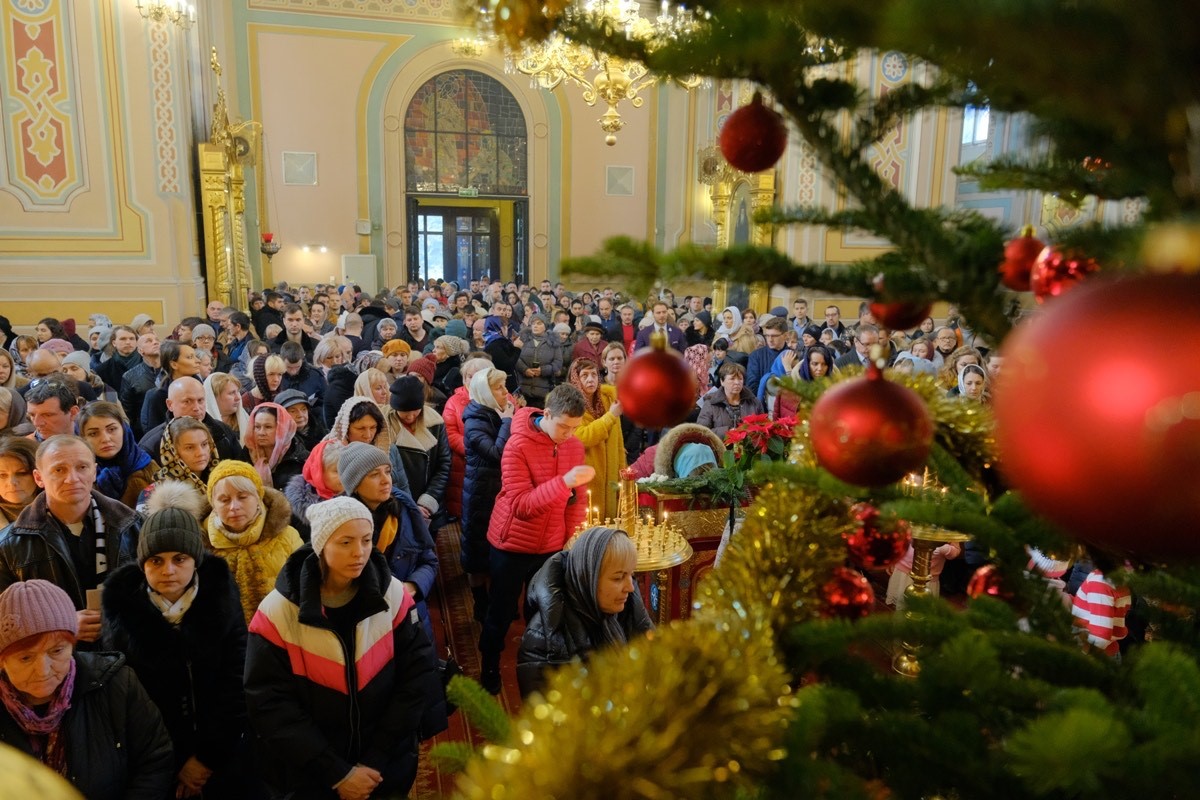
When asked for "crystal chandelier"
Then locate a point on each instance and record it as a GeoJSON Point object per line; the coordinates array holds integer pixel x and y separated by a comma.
{"type": "Point", "coordinates": [603, 77]}
{"type": "Point", "coordinates": [175, 12]}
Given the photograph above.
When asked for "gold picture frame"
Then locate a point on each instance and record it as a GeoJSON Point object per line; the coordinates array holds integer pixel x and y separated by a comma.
{"type": "Point", "coordinates": [736, 197]}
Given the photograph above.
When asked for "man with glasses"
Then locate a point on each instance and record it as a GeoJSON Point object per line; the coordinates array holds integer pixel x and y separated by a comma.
{"type": "Point", "coordinates": [860, 356]}
{"type": "Point", "coordinates": [833, 320]}
{"type": "Point", "coordinates": [759, 365]}
{"type": "Point", "coordinates": [945, 342]}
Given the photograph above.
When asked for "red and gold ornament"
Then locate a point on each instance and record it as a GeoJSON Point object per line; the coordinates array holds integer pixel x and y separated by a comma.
{"type": "Point", "coordinates": [869, 431]}
{"type": "Point", "coordinates": [1056, 270]}
{"type": "Point", "coordinates": [987, 581]}
{"type": "Point", "coordinates": [1019, 257]}
{"type": "Point", "coordinates": [847, 594]}
{"type": "Point", "coordinates": [657, 388]}
{"type": "Point", "coordinates": [754, 137]}
{"type": "Point", "coordinates": [876, 542]}
{"type": "Point", "coordinates": [1104, 438]}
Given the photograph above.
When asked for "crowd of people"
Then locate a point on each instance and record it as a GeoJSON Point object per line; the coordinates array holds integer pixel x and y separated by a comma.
{"type": "Point", "coordinates": [218, 542]}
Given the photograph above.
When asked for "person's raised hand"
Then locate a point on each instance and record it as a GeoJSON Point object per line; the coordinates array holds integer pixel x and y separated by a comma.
{"type": "Point", "coordinates": [580, 475]}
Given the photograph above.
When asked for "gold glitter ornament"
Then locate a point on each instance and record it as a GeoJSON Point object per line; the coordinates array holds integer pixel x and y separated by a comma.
{"type": "Point", "coordinates": [782, 556]}
{"type": "Point", "coordinates": [692, 711]}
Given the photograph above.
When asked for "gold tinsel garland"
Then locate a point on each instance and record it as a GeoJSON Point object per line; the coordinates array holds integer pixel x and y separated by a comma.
{"type": "Point", "coordinates": [701, 705]}
{"type": "Point", "coordinates": [688, 712]}
{"type": "Point", "coordinates": [783, 555]}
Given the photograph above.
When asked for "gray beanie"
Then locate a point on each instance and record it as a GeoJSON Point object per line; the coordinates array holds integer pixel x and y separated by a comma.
{"type": "Point", "coordinates": [203, 329]}
{"type": "Point", "coordinates": [30, 608]}
{"type": "Point", "coordinates": [79, 359]}
{"type": "Point", "coordinates": [355, 461]}
{"type": "Point", "coordinates": [171, 530]}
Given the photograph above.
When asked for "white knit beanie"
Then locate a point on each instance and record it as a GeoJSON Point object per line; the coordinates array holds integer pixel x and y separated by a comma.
{"type": "Point", "coordinates": [325, 518]}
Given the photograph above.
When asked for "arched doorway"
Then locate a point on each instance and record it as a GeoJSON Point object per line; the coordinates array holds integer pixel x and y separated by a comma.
{"type": "Point", "coordinates": [466, 157]}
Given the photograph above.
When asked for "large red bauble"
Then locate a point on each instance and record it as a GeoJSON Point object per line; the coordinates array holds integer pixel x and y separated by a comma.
{"type": "Point", "coordinates": [869, 431]}
{"type": "Point", "coordinates": [847, 594]}
{"type": "Point", "coordinates": [657, 388]}
{"type": "Point", "coordinates": [754, 137]}
{"type": "Point", "coordinates": [1019, 256]}
{"type": "Point", "coordinates": [1100, 436]}
{"type": "Point", "coordinates": [1056, 270]}
{"type": "Point", "coordinates": [876, 542]}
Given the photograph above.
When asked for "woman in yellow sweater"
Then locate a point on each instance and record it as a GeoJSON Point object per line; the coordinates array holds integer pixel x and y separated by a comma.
{"type": "Point", "coordinates": [250, 528]}
{"type": "Point", "coordinates": [604, 445]}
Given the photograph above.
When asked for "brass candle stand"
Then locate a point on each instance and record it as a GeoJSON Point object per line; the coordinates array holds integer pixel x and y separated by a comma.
{"type": "Point", "coordinates": [925, 539]}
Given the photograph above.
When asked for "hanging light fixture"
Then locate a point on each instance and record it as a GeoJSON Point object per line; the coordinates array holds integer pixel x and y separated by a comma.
{"type": "Point", "coordinates": [175, 12]}
{"type": "Point", "coordinates": [603, 78]}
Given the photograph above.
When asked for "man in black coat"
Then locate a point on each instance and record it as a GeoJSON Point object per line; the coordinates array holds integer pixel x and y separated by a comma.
{"type": "Point", "coordinates": [140, 379]}
{"type": "Point", "coordinates": [124, 357]}
{"type": "Point", "coordinates": [43, 543]}
{"type": "Point", "coordinates": [867, 336]}
{"type": "Point", "coordinates": [185, 398]}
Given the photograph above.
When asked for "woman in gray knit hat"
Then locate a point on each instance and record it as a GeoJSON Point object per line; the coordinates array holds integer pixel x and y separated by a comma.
{"type": "Point", "coordinates": [84, 715]}
{"type": "Point", "coordinates": [176, 616]}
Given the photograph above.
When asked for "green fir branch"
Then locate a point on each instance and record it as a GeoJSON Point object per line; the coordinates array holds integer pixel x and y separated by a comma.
{"type": "Point", "coordinates": [482, 710]}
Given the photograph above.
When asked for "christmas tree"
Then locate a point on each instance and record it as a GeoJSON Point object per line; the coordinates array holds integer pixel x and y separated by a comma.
{"type": "Point", "coordinates": [779, 687]}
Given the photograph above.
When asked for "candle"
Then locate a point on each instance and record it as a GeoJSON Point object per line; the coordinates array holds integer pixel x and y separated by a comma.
{"type": "Point", "coordinates": [267, 237]}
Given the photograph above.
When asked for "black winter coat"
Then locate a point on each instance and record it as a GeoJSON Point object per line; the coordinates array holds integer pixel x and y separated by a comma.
{"type": "Point", "coordinates": [36, 546]}
{"type": "Point", "coordinates": [339, 387]}
{"type": "Point", "coordinates": [310, 381]}
{"type": "Point", "coordinates": [193, 671]}
{"type": "Point", "coordinates": [504, 356]}
{"type": "Point", "coordinates": [290, 465]}
{"type": "Point", "coordinates": [428, 471]}
{"type": "Point", "coordinates": [136, 381]}
{"type": "Point", "coordinates": [312, 733]}
{"type": "Point", "coordinates": [117, 747]}
{"type": "Point", "coordinates": [556, 634]}
{"type": "Point", "coordinates": [484, 435]}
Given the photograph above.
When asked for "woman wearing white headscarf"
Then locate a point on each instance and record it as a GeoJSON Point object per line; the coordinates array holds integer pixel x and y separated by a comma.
{"type": "Point", "coordinates": [223, 401]}
{"type": "Point", "coordinates": [741, 336]}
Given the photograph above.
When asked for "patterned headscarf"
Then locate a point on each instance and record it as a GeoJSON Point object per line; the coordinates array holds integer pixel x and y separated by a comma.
{"type": "Point", "coordinates": [171, 466]}
{"type": "Point", "coordinates": [594, 404]}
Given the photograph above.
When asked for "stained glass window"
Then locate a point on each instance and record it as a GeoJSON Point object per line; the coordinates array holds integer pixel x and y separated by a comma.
{"type": "Point", "coordinates": [464, 130]}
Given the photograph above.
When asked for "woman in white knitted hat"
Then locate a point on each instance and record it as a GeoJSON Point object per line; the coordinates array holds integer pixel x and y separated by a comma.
{"type": "Point", "coordinates": [339, 672]}
{"type": "Point", "coordinates": [84, 715]}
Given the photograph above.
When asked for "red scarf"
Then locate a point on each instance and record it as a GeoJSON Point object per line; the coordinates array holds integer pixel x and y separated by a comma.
{"type": "Point", "coordinates": [314, 472]}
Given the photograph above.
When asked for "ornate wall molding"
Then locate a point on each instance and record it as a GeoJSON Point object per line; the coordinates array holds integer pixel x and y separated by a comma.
{"type": "Point", "coordinates": [163, 93]}
{"type": "Point", "coordinates": [400, 10]}
{"type": "Point", "coordinates": [39, 103]}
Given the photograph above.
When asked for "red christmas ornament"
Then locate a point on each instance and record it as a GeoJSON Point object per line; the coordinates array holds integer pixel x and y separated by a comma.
{"type": "Point", "coordinates": [1105, 439]}
{"type": "Point", "coordinates": [1056, 270]}
{"type": "Point", "coordinates": [657, 388]}
{"type": "Point", "coordinates": [1019, 256]}
{"type": "Point", "coordinates": [869, 431]}
{"type": "Point", "coordinates": [847, 594]}
{"type": "Point", "coordinates": [987, 581]}
{"type": "Point", "coordinates": [876, 542]}
{"type": "Point", "coordinates": [754, 137]}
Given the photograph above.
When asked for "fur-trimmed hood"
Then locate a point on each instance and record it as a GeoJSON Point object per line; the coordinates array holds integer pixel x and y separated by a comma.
{"type": "Point", "coordinates": [677, 437]}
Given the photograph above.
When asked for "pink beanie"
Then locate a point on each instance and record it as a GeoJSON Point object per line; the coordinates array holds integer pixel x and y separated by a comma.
{"type": "Point", "coordinates": [31, 608]}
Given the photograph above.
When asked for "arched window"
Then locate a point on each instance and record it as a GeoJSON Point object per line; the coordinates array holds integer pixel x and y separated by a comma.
{"type": "Point", "coordinates": [464, 130]}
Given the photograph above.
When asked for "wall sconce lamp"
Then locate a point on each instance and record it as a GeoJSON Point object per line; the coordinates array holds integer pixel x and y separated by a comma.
{"type": "Point", "coordinates": [175, 12]}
